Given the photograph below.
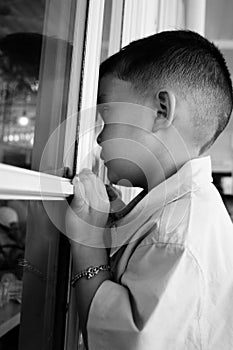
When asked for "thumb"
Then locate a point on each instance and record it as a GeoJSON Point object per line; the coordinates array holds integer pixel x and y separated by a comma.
{"type": "Point", "coordinates": [79, 200]}
{"type": "Point", "coordinates": [116, 202]}
{"type": "Point", "coordinates": [112, 193]}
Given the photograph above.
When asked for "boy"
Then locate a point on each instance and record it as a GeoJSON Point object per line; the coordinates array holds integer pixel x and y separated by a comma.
{"type": "Point", "coordinates": [164, 100]}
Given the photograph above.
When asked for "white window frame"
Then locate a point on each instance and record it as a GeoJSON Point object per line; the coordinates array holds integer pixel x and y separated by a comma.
{"type": "Point", "coordinates": [140, 19]}
{"type": "Point", "coordinates": [22, 184]}
{"type": "Point", "coordinates": [196, 15]}
{"type": "Point", "coordinates": [32, 185]}
{"type": "Point", "coordinates": [116, 27]}
{"type": "Point", "coordinates": [87, 118]}
{"type": "Point", "coordinates": [90, 84]}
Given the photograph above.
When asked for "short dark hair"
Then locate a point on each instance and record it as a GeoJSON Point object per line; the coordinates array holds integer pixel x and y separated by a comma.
{"type": "Point", "coordinates": [188, 62]}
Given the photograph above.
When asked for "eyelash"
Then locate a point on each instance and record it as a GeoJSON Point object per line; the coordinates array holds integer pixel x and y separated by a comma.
{"type": "Point", "coordinates": [103, 111]}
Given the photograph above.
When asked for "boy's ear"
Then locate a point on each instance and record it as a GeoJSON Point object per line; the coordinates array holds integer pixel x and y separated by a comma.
{"type": "Point", "coordinates": [166, 104]}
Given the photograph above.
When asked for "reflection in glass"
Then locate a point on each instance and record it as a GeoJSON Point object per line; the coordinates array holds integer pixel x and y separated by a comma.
{"type": "Point", "coordinates": [13, 216]}
{"type": "Point", "coordinates": [20, 51]}
{"type": "Point", "coordinates": [35, 59]}
{"type": "Point", "coordinates": [97, 165]}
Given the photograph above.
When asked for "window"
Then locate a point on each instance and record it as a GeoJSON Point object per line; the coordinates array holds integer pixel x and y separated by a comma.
{"type": "Point", "coordinates": [39, 54]}
{"type": "Point", "coordinates": [21, 37]}
{"type": "Point", "coordinates": [219, 30]}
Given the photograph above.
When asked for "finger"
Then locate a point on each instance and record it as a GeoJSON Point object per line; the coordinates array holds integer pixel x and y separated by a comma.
{"type": "Point", "coordinates": [82, 183]}
{"type": "Point", "coordinates": [86, 175]}
{"type": "Point", "coordinates": [79, 199]}
{"type": "Point", "coordinates": [85, 172]}
{"type": "Point", "coordinates": [116, 203]}
{"type": "Point", "coordinates": [112, 193]}
{"type": "Point", "coordinates": [95, 192]}
{"type": "Point", "coordinates": [93, 184]}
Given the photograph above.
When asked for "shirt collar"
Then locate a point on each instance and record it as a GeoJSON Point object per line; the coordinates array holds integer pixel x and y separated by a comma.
{"type": "Point", "coordinates": [192, 175]}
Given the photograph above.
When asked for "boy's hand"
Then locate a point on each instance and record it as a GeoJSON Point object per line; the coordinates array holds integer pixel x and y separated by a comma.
{"type": "Point", "coordinates": [114, 195]}
{"type": "Point", "coordinates": [89, 209]}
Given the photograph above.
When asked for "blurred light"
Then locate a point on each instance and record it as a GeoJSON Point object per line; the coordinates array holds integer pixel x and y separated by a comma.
{"type": "Point", "coordinates": [10, 138]}
{"type": "Point", "coordinates": [16, 138]}
{"type": "Point", "coordinates": [35, 85]}
{"type": "Point", "coordinates": [23, 121]}
{"type": "Point", "coordinates": [32, 141]}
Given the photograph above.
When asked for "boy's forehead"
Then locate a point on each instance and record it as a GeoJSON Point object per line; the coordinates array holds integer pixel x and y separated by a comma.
{"type": "Point", "coordinates": [112, 89]}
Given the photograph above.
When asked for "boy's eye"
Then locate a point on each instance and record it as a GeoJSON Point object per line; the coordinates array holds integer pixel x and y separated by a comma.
{"type": "Point", "coordinates": [103, 110]}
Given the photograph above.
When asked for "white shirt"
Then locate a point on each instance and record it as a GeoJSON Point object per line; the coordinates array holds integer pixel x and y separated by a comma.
{"type": "Point", "coordinates": [173, 276]}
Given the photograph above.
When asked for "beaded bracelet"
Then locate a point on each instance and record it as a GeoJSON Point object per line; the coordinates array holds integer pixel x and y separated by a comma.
{"type": "Point", "coordinates": [90, 272]}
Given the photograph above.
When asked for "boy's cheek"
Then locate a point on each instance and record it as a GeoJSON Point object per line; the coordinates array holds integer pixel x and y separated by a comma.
{"type": "Point", "coordinates": [116, 149]}
{"type": "Point", "coordinates": [129, 149]}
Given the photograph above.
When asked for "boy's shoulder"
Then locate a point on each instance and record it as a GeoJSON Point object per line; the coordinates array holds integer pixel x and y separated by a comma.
{"type": "Point", "coordinates": [191, 212]}
{"type": "Point", "coordinates": [174, 220]}
{"type": "Point", "coordinates": [193, 217]}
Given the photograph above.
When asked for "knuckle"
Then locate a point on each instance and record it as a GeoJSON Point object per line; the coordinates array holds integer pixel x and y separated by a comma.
{"type": "Point", "coordinates": [75, 179]}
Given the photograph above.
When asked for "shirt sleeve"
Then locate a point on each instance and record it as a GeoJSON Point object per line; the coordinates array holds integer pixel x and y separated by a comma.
{"type": "Point", "coordinates": [156, 305]}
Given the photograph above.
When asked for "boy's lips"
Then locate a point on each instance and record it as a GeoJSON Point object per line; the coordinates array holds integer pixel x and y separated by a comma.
{"type": "Point", "coordinates": [102, 156]}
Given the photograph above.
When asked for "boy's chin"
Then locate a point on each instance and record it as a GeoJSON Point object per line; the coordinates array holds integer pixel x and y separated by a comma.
{"type": "Point", "coordinates": [115, 179]}
{"type": "Point", "coordinates": [118, 180]}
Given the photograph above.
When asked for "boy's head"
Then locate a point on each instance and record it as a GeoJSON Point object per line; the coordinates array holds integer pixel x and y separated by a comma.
{"type": "Point", "coordinates": [182, 78]}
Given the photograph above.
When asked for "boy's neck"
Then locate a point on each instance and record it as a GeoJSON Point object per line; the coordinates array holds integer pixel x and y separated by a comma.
{"type": "Point", "coordinates": [168, 169]}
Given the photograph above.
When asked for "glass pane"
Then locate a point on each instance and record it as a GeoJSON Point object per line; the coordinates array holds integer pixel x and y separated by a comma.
{"type": "Point", "coordinates": [106, 30]}
{"type": "Point", "coordinates": [98, 166]}
{"type": "Point", "coordinates": [31, 34]}
{"type": "Point", "coordinates": [13, 217]}
{"type": "Point", "coordinates": [20, 48]}
{"type": "Point", "coordinates": [228, 54]}
{"type": "Point", "coordinates": [127, 193]}
{"type": "Point", "coordinates": [36, 41]}
{"type": "Point", "coordinates": [219, 23]}
{"type": "Point", "coordinates": [219, 26]}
